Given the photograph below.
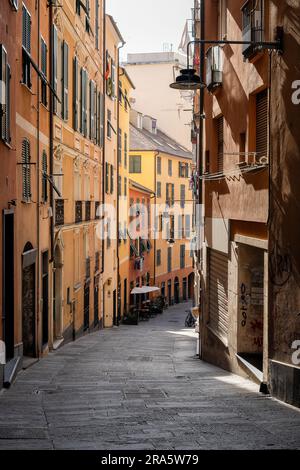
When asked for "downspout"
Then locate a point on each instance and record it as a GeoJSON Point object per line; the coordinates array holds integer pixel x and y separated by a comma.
{"type": "Point", "coordinates": [104, 127]}
{"type": "Point", "coordinates": [39, 344]}
{"type": "Point", "coordinates": [118, 195]}
{"type": "Point", "coordinates": [51, 192]}
{"type": "Point", "coordinates": [103, 153]}
{"type": "Point", "coordinates": [200, 158]}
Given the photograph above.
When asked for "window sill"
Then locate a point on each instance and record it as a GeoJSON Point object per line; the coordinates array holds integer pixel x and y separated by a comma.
{"type": "Point", "coordinates": [7, 144]}
{"type": "Point", "coordinates": [26, 87]}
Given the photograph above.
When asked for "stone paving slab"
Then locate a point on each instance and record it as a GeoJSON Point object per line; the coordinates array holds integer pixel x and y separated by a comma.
{"type": "Point", "coordinates": [142, 387]}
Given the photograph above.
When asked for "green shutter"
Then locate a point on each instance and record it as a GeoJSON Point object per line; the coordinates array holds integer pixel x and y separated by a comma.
{"type": "Point", "coordinates": [26, 174]}
{"type": "Point", "coordinates": [65, 80]}
{"type": "Point", "coordinates": [54, 65]}
{"type": "Point", "coordinates": [75, 93]}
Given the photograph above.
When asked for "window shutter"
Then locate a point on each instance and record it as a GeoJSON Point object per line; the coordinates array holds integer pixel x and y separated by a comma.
{"type": "Point", "coordinates": [220, 136]}
{"type": "Point", "coordinates": [111, 179]}
{"type": "Point", "coordinates": [81, 100]}
{"type": "Point", "coordinates": [26, 176]}
{"type": "Point", "coordinates": [95, 93]}
{"type": "Point", "coordinates": [3, 87]}
{"type": "Point", "coordinates": [107, 177]}
{"type": "Point", "coordinates": [65, 80]}
{"type": "Point", "coordinates": [85, 111]}
{"type": "Point", "coordinates": [75, 94]}
{"type": "Point", "coordinates": [92, 110]}
{"type": "Point", "coordinates": [97, 24]}
{"type": "Point", "coordinates": [44, 180]}
{"type": "Point", "coordinates": [44, 57]}
{"type": "Point", "coordinates": [262, 124]}
{"type": "Point", "coordinates": [54, 65]}
{"type": "Point", "coordinates": [7, 94]}
{"type": "Point", "coordinates": [173, 194]}
{"type": "Point", "coordinates": [26, 30]}
{"type": "Point", "coordinates": [102, 111]}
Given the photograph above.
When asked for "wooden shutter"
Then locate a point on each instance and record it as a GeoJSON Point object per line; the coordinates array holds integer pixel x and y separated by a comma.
{"type": "Point", "coordinates": [262, 124]}
{"type": "Point", "coordinates": [220, 137]}
{"type": "Point", "coordinates": [101, 119]}
{"type": "Point", "coordinates": [173, 194]}
{"type": "Point", "coordinates": [65, 80]}
{"type": "Point", "coordinates": [107, 177]}
{"type": "Point", "coordinates": [81, 101]}
{"type": "Point", "coordinates": [26, 174]}
{"type": "Point", "coordinates": [7, 97]}
{"type": "Point", "coordinates": [95, 127]}
{"type": "Point", "coordinates": [3, 88]}
{"type": "Point", "coordinates": [26, 30]}
{"type": "Point", "coordinates": [111, 179]}
{"type": "Point", "coordinates": [92, 110]}
{"type": "Point", "coordinates": [44, 176]}
{"type": "Point", "coordinates": [97, 24]}
{"type": "Point", "coordinates": [75, 93]}
{"type": "Point", "coordinates": [54, 65]}
{"type": "Point", "coordinates": [85, 103]}
{"type": "Point", "coordinates": [218, 293]}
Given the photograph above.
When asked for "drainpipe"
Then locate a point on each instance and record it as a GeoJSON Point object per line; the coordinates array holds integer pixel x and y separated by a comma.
{"type": "Point", "coordinates": [201, 152]}
{"type": "Point", "coordinates": [51, 146]}
{"type": "Point", "coordinates": [39, 345]}
{"type": "Point", "coordinates": [104, 131]}
{"type": "Point", "coordinates": [118, 174]}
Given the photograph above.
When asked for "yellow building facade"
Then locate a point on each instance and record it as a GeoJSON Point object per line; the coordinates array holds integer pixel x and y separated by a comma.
{"type": "Point", "coordinates": [78, 142]}
{"type": "Point", "coordinates": [158, 162]}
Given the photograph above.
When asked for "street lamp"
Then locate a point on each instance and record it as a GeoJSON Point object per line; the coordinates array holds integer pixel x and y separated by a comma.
{"type": "Point", "coordinates": [189, 80]}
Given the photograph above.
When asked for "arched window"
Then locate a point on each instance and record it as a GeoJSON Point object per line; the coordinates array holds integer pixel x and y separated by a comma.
{"type": "Point", "coordinates": [26, 176]}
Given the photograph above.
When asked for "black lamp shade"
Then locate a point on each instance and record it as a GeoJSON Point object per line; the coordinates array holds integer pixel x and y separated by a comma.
{"type": "Point", "coordinates": [188, 80]}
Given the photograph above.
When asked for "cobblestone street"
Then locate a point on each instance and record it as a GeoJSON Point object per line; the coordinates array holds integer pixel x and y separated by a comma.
{"type": "Point", "coordinates": [140, 388]}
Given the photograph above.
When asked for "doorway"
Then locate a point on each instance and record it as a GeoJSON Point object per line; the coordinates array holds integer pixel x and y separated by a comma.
{"type": "Point", "coordinates": [45, 299]}
{"type": "Point", "coordinates": [170, 292]}
{"type": "Point", "coordinates": [176, 291]}
{"type": "Point", "coordinates": [191, 283]}
{"type": "Point", "coordinates": [184, 289]}
{"type": "Point", "coordinates": [96, 301]}
{"type": "Point", "coordinates": [28, 301]}
{"type": "Point", "coordinates": [57, 290]}
{"type": "Point", "coordinates": [115, 320]}
{"type": "Point", "coordinates": [8, 283]}
{"type": "Point", "coordinates": [86, 316]}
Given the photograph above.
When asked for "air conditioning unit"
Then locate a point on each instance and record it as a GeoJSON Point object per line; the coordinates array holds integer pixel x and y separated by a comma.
{"type": "Point", "coordinates": [214, 67]}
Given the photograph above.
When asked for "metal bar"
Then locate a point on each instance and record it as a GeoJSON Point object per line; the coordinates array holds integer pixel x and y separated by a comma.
{"type": "Point", "coordinates": [267, 45]}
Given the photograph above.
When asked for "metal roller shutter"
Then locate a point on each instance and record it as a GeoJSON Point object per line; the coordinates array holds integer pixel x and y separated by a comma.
{"type": "Point", "coordinates": [218, 293]}
{"type": "Point", "coordinates": [262, 124]}
{"type": "Point", "coordinates": [220, 132]}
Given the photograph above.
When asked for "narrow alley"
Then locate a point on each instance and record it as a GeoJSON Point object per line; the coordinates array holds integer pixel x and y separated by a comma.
{"type": "Point", "coordinates": [140, 388]}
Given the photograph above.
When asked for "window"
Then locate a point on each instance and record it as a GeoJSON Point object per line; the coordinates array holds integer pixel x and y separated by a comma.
{"type": "Point", "coordinates": [170, 199]}
{"type": "Point", "coordinates": [182, 256]}
{"type": "Point", "coordinates": [107, 177]}
{"type": "Point", "coordinates": [26, 44]}
{"type": "Point", "coordinates": [183, 170]}
{"type": "Point", "coordinates": [83, 104]}
{"type": "Point", "coordinates": [125, 187]}
{"type": "Point", "coordinates": [26, 172]}
{"type": "Point", "coordinates": [97, 24]}
{"type": "Point", "coordinates": [158, 165]}
{"type": "Point", "coordinates": [158, 189]}
{"type": "Point", "coordinates": [44, 177]}
{"type": "Point", "coordinates": [93, 110]}
{"type": "Point", "coordinates": [109, 127]}
{"type": "Point", "coordinates": [125, 149]}
{"type": "Point", "coordinates": [120, 147]}
{"type": "Point", "coordinates": [44, 52]}
{"type": "Point", "coordinates": [187, 226]}
{"type": "Point", "coordinates": [169, 259]}
{"type": "Point", "coordinates": [126, 101]}
{"type": "Point", "coordinates": [54, 65]}
{"type": "Point", "coordinates": [65, 81]}
{"type": "Point", "coordinates": [220, 138]}
{"type": "Point", "coordinates": [75, 93]}
{"type": "Point", "coordinates": [262, 126]}
{"type": "Point", "coordinates": [111, 179]}
{"type": "Point", "coordinates": [4, 96]}
{"type": "Point", "coordinates": [100, 120]}
{"type": "Point", "coordinates": [135, 164]}
{"type": "Point", "coordinates": [170, 167]}
{"type": "Point", "coordinates": [158, 258]}
{"type": "Point", "coordinates": [253, 26]}
{"type": "Point", "coordinates": [119, 186]}
{"type": "Point", "coordinates": [182, 196]}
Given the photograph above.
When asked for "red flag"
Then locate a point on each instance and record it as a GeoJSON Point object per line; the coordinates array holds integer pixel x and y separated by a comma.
{"type": "Point", "coordinates": [107, 73]}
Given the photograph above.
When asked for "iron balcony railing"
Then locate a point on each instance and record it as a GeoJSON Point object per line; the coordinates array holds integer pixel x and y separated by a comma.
{"type": "Point", "coordinates": [59, 212]}
{"type": "Point", "coordinates": [78, 212]}
{"type": "Point", "coordinates": [87, 210]}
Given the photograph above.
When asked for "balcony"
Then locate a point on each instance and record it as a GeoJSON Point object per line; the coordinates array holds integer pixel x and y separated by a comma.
{"type": "Point", "coordinates": [253, 26]}
{"type": "Point", "coordinates": [59, 212]}
{"type": "Point", "coordinates": [97, 261]}
{"type": "Point", "coordinates": [78, 212]}
{"type": "Point", "coordinates": [214, 67]}
{"type": "Point", "coordinates": [87, 210]}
